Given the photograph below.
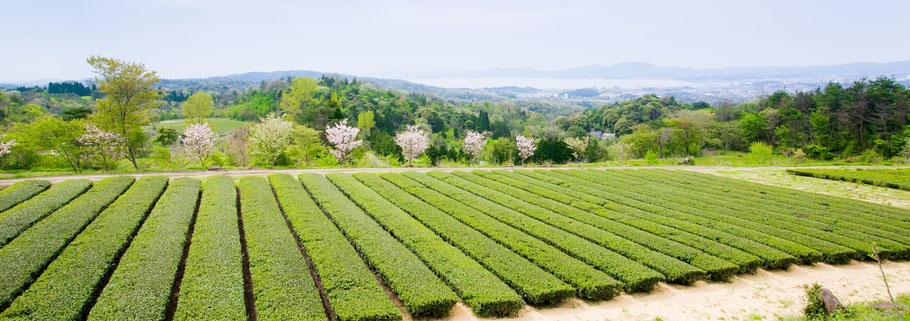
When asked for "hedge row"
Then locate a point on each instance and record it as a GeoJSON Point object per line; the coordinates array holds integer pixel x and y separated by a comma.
{"type": "Point", "coordinates": [20, 192]}
{"type": "Point", "coordinates": [479, 288]}
{"type": "Point", "coordinates": [212, 285]}
{"type": "Point", "coordinates": [838, 244]}
{"type": "Point", "coordinates": [282, 284]}
{"type": "Point", "coordinates": [849, 228]}
{"type": "Point", "coordinates": [349, 285]}
{"type": "Point", "coordinates": [619, 224]}
{"type": "Point", "coordinates": [590, 283]}
{"type": "Point", "coordinates": [883, 216]}
{"type": "Point", "coordinates": [141, 285]}
{"type": "Point", "coordinates": [64, 291]}
{"type": "Point", "coordinates": [420, 290]}
{"type": "Point", "coordinates": [535, 285]}
{"type": "Point", "coordinates": [886, 178]}
{"type": "Point", "coordinates": [20, 217]}
{"type": "Point", "coordinates": [753, 217]}
{"type": "Point", "coordinates": [23, 259]}
{"type": "Point", "coordinates": [635, 275]}
{"type": "Point", "coordinates": [735, 245]}
{"type": "Point", "coordinates": [763, 245]}
{"type": "Point", "coordinates": [661, 254]}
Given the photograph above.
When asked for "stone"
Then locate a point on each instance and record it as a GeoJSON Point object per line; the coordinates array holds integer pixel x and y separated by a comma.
{"type": "Point", "coordinates": [832, 304]}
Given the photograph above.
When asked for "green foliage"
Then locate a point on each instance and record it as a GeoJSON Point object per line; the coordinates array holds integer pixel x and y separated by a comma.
{"type": "Point", "coordinates": [891, 178]}
{"type": "Point", "coordinates": [350, 287]}
{"type": "Point", "coordinates": [20, 192]}
{"type": "Point", "coordinates": [167, 136]}
{"type": "Point", "coordinates": [651, 158]}
{"type": "Point", "coordinates": [140, 288]}
{"type": "Point", "coordinates": [815, 306]}
{"type": "Point", "coordinates": [22, 216]}
{"type": "Point", "coordinates": [421, 292]}
{"type": "Point", "coordinates": [282, 284]}
{"type": "Point", "coordinates": [212, 285]}
{"type": "Point", "coordinates": [66, 286]}
{"type": "Point", "coordinates": [760, 152]}
{"type": "Point", "coordinates": [23, 259]}
{"type": "Point", "coordinates": [197, 107]}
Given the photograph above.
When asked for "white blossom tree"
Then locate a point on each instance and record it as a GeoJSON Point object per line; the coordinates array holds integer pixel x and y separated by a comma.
{"type": "Point", "coordinates": [413, 142]}
{"type": "Point", "coordinates": [526, 147]}
{"type": "Point", "coordinates": [268, 139]}
{"type": "Point", "coordinates": [102, 146]}
{"type": "Point", "coordinates": [342, 137]}
{"type": "Point", "coordinates": [473, 144]}
{"type": "Point", "coordinates": [578, 146]}
{"type": "Point", "coordinates": [6, 145]}
{"type": "Point", "coordinates": [199, 142]}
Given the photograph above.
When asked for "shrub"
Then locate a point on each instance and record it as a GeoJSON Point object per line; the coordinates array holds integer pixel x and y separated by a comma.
{"type": "Point", "coordinates": [20, 192]}
{"type": "Point", "coordinates": [760, 152]}
{"type": "Point", "coordinates": [20, 217]}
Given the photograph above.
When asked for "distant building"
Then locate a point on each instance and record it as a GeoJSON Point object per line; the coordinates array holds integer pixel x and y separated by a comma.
{"type": "Point", "coordinates": [602, 135]}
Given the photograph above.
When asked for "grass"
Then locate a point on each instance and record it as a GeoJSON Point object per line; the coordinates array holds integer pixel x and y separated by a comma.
{"type": "Point", "coordinates": [221, 126]}
{"type": "Point", "coordinates": [864, 311]}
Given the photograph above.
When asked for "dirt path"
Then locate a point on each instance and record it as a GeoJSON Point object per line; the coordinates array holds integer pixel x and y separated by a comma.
{"type": "Point", "coordinates": [766, 295]}
{"type": "Point", "coordinates": [296, 171]}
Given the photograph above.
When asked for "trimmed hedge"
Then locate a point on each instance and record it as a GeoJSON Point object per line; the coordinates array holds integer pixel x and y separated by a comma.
{"type": "Point", "coordinates": [673, 269]}
{"type": "Point", "coordinates": [590, 282]}
{"type": "Point", "coordinates": [212, 285]}
{"type": "Point", "coordinates": [479, 288]}
{"type": "Point", "coordinates": [613, 207]}
{"type": "Point", "coordinates": [20, 192]}
{"type": "Point", "coordinates": [891, 178]}
{"type": "Point", "coordinates": [747, 240]}
{"type": "Point", "coordinates": [140, 287]}
{"type": "Point", "coordinates": [535, 285]}
{"type": "Point", "coordinates": [635, 276]}
{"type": "Point", "coordinates": [64, 291]}
{"type": "Point", "coordinates": [282, 284]}
{"type": "Point", "coordinates": [420, 290]}
{"type": "Point", "coordinates": [351, 288]}
{"type": "Point", "coordinates": [23, 259]}
{"type": "Point", "coordinates": [22, 216]}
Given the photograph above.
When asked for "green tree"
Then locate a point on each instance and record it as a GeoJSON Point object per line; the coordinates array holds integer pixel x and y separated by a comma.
{"type": "Point", "coordinates": [54, 135]}
{"type": "Point", "coordinates": [197, 107]}
{"type": "Point", "coordinates": [365, 122]}
{"type": "Point", "coordinates": [127, 87]}
{"type": "Point", "coordinates": [300, 96]}
{"type": "Point", "coordinates": [305, 142]}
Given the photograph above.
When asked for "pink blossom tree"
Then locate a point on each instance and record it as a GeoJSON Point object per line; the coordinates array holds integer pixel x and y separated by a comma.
{"type": "Point", "coordinates": [341, 136]}
{"type": "Point", "coordinates": [413, 142]}
{"type": "Point", "coordinates": [102, 146]}
{"type": "Point", "coordinates": [199, 142]}
{"type": "Point", "coordinates": [526, 146]}
{"type": "Point", "coordinates": [6, 145]}
{"type": "Point", "coordinates": [473, 144]}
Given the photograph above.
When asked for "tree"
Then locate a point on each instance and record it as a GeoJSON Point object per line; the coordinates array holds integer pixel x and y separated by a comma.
{"type": "Point", "coordinates": [268, 139]}
{"type": "Point", "coordinates": [199, 141]}
{"type": "Point", "coordinates": [197, 107]}
{"type": "Point", "coordinates": [473, 144]}
{"type": "Point", "coordinates": [300, 96]}
{"type": "Point", "coordinates": [413, 142]}
{"type": "Point", "coordinates": [167, 136]}
{"type": "Point", "coordinates": [102, 146]}
{"type": "Point", "coordinates": [526, 147]}
{"type": "Point", "coordinates": [760, 152]}
{"type": "Point", "coordinates": [551, 149]}
{"type": "Point", "coordinates": [622, 150]}
{"type": "Point", "coordinates": [483, 121]}
{"type": "Point", "coordinates": [6, 145]}
{"type": "Point", "coordinates": [365, 122]}
{"type": "Point", "coordinates": [578, 146]}
{"type": "Point", "coordinates": [305, 140]}
{"type": "Point", "coordinates": [342, 137]}
{"type": "Point", "coordinates": [127, 87]}
{"type": "Point", "coordinates": [502, 150]}
{"type": "Point", "coordinates": [56, 136]}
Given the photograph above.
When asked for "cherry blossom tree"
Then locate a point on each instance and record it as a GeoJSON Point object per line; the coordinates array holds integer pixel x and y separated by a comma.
{"type": "Point", "coordinates": [199, 142]}
{"type": "Point", "coordinates": [341, 136]}
{"type": "Point", "coordinates": [526, 146]}
{"type": "Point", "coordinates": [413, 142]}
{"type": "Point", "coordinates": [6, 145]}
{"type": "Point", "coordinates": [268, 139]}
{"type": "Point", "coordinates": [578, 146]}
{"type": "Point", "coordinates": [102, 146]}
{"type": "Point", "coordinates": [473, 144]}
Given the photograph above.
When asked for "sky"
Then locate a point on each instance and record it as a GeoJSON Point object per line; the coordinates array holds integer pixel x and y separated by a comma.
{"type": "Point", "coordinates": [200, 38]}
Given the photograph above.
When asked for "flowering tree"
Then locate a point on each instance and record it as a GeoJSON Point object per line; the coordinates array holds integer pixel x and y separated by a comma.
{"type": "Point", "coordinates": [102, 146]}
{"type": "Point", "coordinates": [578, 146]}
{"type": "Point", "coordinates": [412, 142]}
{"type": "Point", "coordinates": [199, 142]}
{"type": "Point", "coordinates": [526, 147]}
{"type": "Point", "coordinates": [6, 145]}
{"type": "Point", "coordinates": [473, 144]}
{"type": "Point", "coordinates": [621, 150]}
{"type": "Point", "coordinates": [342, 137]}
{"type": "Point", "coordinates": [269, 138]}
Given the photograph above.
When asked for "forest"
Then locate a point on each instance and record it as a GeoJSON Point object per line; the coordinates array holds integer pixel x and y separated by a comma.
{"type": "Point", "coordinates": [118, 122]}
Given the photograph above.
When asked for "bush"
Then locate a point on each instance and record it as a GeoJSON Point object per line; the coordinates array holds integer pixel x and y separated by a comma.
{"type": "Point", "coordinates": [760, 152]}
{"type": "Point", "coordinates": [67, 285]}
{"type": "Point", "coordinates": [20, 192]}
{"type": "Point", "coordinates": [20, 217]}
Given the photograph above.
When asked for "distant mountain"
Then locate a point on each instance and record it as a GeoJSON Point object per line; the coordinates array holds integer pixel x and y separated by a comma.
{"type": "Point", "coordinates": [900, 70]}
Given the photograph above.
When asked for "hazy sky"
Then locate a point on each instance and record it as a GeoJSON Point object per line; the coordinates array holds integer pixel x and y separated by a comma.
{"type": "Point", "coordinates": [199, 38]}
